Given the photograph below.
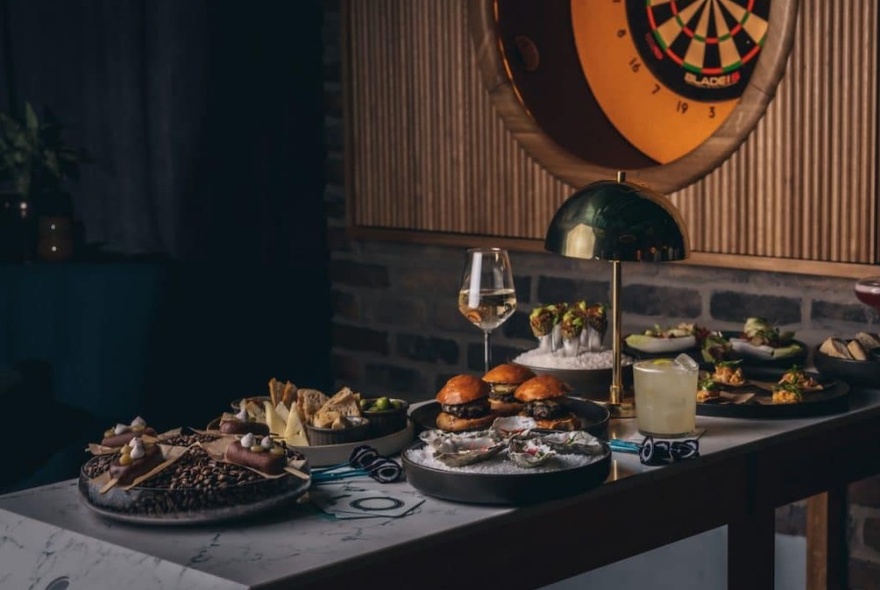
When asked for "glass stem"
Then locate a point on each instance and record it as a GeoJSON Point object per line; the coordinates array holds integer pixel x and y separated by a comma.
{"type": "Point", "coordinates": [487, 351]}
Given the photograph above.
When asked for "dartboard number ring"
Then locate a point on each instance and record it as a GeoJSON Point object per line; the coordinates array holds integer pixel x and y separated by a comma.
{"type": "Point", "coordinates": [668, 73]}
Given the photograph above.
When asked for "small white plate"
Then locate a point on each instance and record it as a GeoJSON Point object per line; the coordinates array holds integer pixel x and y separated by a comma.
{"type": "Point", "coordinates": [660, 345]}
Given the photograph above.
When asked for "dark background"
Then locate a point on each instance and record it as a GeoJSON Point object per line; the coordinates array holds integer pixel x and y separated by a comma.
{"type": "Point", "coordinates": [204, 271]}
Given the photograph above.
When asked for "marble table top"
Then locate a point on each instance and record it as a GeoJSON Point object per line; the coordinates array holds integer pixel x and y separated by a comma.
{"type": "Point", "coordinates": [49, 533]}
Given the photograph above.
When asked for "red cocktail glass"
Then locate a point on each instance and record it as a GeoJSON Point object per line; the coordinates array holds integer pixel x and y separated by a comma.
{"type": "Point", "coordinates": [868, 291]}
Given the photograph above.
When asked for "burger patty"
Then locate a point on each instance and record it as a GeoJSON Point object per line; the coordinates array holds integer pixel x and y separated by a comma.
{"type": "Point", "coordinates": [545, 409]}
{"type": "Point", "coordinates": [474, 409]}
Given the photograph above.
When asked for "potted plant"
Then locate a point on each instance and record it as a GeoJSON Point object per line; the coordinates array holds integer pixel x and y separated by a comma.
{"type": "Point", "coordinates": [36, 165]}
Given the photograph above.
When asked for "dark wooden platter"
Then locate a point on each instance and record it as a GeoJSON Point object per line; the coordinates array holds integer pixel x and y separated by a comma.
{"type": "Point", "coordinates": [831, 399]}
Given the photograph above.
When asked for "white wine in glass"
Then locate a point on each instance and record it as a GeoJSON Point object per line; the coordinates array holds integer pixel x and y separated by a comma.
{"type": "Point", "coordinates": [487, 296]}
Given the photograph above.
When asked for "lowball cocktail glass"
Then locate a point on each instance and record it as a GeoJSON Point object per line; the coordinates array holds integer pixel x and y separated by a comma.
{"type": "Point", "coordinates": [666, 397]}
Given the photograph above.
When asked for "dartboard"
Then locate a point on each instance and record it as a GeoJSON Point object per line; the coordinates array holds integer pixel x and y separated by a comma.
{"type": "Point", "coordinates": [630, 83]}
{"type": "Point", "coordinates": [700, 49]}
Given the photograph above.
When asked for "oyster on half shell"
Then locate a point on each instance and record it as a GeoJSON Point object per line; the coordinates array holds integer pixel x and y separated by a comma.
{"type": "Point", "coordinates": [529, 451]}
{"type": "Point", "coordinates": [457, 451]}
{"type": "Point", "coordinates": [435, 438]}
{"type": "Point", "coordinates": [510, 426]}
{"type": "Point", "coordinates": [576, 441]}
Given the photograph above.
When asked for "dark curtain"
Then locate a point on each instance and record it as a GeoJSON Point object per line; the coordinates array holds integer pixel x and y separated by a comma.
{"type": "Point", "coordinates": [204, 121]}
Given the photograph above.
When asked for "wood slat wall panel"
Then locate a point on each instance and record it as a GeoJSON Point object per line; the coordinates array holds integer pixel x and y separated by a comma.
{"type": "Point", "coordinates": [429, 153]}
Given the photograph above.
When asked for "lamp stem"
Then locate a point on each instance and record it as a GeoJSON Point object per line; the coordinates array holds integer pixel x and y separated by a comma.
{"type": "Point", "coordinates": [616, 393]}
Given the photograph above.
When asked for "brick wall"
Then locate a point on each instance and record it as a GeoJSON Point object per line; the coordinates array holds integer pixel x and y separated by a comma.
{"type": "Point", "coordinates": [397, 329]}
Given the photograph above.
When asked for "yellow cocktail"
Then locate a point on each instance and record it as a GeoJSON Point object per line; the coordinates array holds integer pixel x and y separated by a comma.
{"type": "Point", "coordinates": [666, 400]}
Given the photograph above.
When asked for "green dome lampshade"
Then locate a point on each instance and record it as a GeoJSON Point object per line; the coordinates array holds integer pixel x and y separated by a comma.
{"type": "Point", "coordinates": [608, 220]}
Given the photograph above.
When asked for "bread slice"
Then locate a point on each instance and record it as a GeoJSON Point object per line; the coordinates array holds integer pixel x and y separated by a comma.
{"type": "Point", "coordinates": [835, 347]}
{"type": "Point", "coordinates": [868, 341]}
{"type": "Point", "coordinates": [308, 402]}
{"type": "Point", "coordinates": [857, 351]}
{"type": "Point", "coordinates": [343, 404]}
{"type": "Point", "coordinates": [288, 394]}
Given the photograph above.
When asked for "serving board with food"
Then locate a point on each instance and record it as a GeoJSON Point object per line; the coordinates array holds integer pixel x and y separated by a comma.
{"type": "Point", "coordinates": [325, 429]}
{"type": "Point", "coordinates": [758, 343]}
{"type": "Point", "coordinates": [508, 437]}
{"type": "Point", "coordinates": [252, 459]}
{"type": "Point", "coordinates": [734, 391]}
{"type": "Point", "coordinates": [519, 465]}
{"type": "Point", "coordinates": [188, 477]}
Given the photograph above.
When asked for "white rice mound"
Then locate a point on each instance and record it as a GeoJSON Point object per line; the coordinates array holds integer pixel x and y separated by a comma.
{"type": "Point", "coordinates": [585, 360]}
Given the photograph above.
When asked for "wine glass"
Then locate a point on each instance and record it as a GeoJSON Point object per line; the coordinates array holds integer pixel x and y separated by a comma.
{"type": "Point", "coordinates": [487, 296]}
{"type": "Point", "coordinates": [868, 291]}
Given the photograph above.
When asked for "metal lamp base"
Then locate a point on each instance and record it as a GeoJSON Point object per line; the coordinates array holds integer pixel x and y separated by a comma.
{"type": "Point", "coordinates": [624, 409]}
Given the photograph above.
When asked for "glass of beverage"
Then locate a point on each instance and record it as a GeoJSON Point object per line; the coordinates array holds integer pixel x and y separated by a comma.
{"type": "Point", "coordinates": [487, 296]}
{"type": "Point", "coordinates": [666, 396]}
{"type": "Point", "coordinates": [868, 291]}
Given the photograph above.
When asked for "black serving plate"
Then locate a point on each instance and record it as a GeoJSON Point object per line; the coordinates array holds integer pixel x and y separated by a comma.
{"type": "Point", "coordinates": [504, 489]}
{"type": "Point", "coordinates": [832, 399]}
{"type": "Point", "coordinates": [188, 506]}
{"type": "Point", "coordinates": [856, 373]}
{"type": "Point", "coordinates": [594, 417]}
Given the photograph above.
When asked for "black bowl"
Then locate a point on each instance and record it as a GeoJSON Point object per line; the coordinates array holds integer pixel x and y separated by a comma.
{"type": "Point", "coordinates": [383, 422]}
{"type": "Point", "coordinates": [856, 373]}
{"type": "Point", "coordinates": [330, 436]}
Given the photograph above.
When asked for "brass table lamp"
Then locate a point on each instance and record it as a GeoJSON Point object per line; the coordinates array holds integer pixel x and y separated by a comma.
{"type": "Point", "coordinates": [619, 222]}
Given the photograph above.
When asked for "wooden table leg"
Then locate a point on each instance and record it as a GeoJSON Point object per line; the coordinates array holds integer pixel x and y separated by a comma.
{"type": "Point", "coordinates": [751, 549]}
{"type": "Point", "coordinates": [827, 555]}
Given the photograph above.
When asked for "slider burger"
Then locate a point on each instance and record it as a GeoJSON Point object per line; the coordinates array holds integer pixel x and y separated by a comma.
{"type": "Point", "coordinates": [544, 399]}
{"type": "Point", "coordinates": [464, 404]}
{"type": "Point", "coordinates": [503, 381]}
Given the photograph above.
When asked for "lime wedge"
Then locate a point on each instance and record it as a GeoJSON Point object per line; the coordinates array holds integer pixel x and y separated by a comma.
{"type": "Point", "coordinates": [638, 340]}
